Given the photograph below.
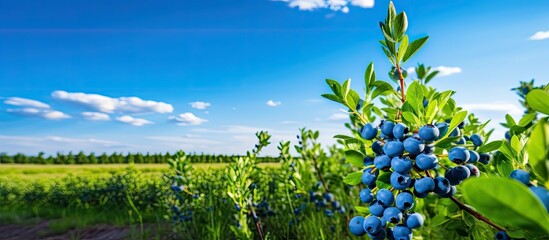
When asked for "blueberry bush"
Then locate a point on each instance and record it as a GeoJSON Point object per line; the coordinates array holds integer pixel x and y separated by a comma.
{"type": "Point", "coordinates": [423, 160]}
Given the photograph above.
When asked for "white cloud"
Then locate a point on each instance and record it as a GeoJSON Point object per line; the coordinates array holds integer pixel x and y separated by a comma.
{"type": "Point", "coordinates": [443, 71]}
{"type": "Point", "coordinates": [138, 122]}
{"type": "Point", "coordinates": [335, 5]}
{"type": "Point", "coordinates": [272, 103]}
{"type": "Point", "coordinates": [41, 113]}
{"type": "Point", "coordinates": [497, 107]}
{"type": "Point", "coordinates": [109, 105]}
{"type": "Point", "coordinates": [187, 118]}
{"type": "Point", "coordinates": [53, 144]}
{"type": "Point", "coordinates": [200, 105]}
{"type": "Point", "coordinates": [25, 102]}
{"type": "Point", "coordinates": [541, 35]}
{"type": "Point", "coordinates": [339, 117]}
{"type": "Point", "coordinates": [96, 116]}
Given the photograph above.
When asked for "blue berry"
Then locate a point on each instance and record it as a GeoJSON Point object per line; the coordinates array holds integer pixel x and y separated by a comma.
{"type": "Point", "coordinates": [378, 236]}
{"type": "Point", "coordinates": [485, 158]}
{"type": "Point", "coordinates": [414, 220]}
{"type": "Point", "coordinates": [542, 194]}
{"type": "Point", "coordinates": [404, 201]}
{"type": "Point", "coordinates": [368, 161]}
{"type": "Point", "coordinates": [385, 197]}
{"type": "Point", "coordinates": [442, 128]}
{"type": "Point", "coordinates": [400, 181]}
{"type": "Point", "coordinates": [392, 214]}
{"type": "Point", "coordinates": [442, 185]}
{"type": "Point", "coordinates": [473, 156]}
{"type": "Point", "coordinates": [369, 131]}
{"type": "Point", "coordinates": [477, 140]}
{"type": "Point", "coordinates": [502, 235]}
{"type": "Point", "coordinates": [356, 226]}
{"type": "Point", "coordinates": [382, 162]}
{"type": "Point", "coordinates": [376, 208]}
{"type": "Point", "coordinates": [329, 197]}
{"type": "Point", "coordinates": [428, 133]}
{"type": "Point", "coordinates": [461, 141]}
{"type": "Point", "coordinates": [521, 176]}
{"type": "Point", "coordinates": [366, 196]}
{"type": "Point", "coordinates": [451, 193]}
{"type": "Point", "coordinates": [473, 169]}
{"type": "Point", "coordinates": [393, 148]}
{"type": "Point", "coordinates": [372, 225]}
{"type": "Point", "coordinates": [425, 102]}
{"type": "Point", "coordinates": [459, 155]}
{"type": "Point", "coordinates": [377, 147]}
{"type": "Point", "coordinates": [328, 213]}
{"type": "Point", "coordinates": [413, 145]}
{"type": "Point", "coordinates": [399, 130]}
{"type": "Point", "coordinates": [426, 161]}
{"type": "Point", "coordinates": [369, 177]}
{"type": "Point", "coordinates": [420, 195]}
{"type": "Point", "coordinates": [429, 148]}
{"type": "Point", "coordinates": [508, 136]}
{"type": "Point", "coordinates": [401, 231]}
{"type": "Point", "coordinates": [387, 128]}
{"type": "Point", "coordinates": [336, 205]}
{"type": "Point", "coordinates": [424, 185]}
{"type": "Point", "coordinates": [461, 172]}
{"type": "Point", "coordinates": [454, 132]}
{"type": "Point", "coordinates": [401, 165]}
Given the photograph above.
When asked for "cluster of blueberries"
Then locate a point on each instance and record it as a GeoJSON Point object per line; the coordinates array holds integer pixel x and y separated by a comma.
{"type": "Point", "coordinates": [400, 151]}
{"type": "Point", "coordinates": [325, 201]}
{"type": "Point", "coordinates": [181, 216]}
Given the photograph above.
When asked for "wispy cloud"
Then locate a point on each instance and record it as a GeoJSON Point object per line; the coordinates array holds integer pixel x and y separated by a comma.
{"type": "Point", "coordinates": [335, 5]}
{"type": "Point", "coordinates": [39, 112]}
{"type": "Point", "coordinates": [338, 117]}
{"type": "Point", "coordinates": [497, 107]}
{"type": "Point", "coordinates": [541, 35]}
{"type": "Point", "coordinates": [53, 144]}
{"type": "Point", "coordinates": [25, 102]}
{"type": "Point", "coordinates": [272, 103]}
{"type": "Point", "coordinates": [138, 122]}
{"type": "Point", "coordinates": [443, 71]}
{"type": "Point", "coordinates": [96, 116]}
{"type": "Point", "coordinates": [200, 105]}
{"type": "Point", "coordinates": [186, 119]}
{"type": "Point", "coordinates": [110, 105]}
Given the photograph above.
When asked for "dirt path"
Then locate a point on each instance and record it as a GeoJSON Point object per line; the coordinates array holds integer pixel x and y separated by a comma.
{"type": "Point", "coordinates": [100, 231]}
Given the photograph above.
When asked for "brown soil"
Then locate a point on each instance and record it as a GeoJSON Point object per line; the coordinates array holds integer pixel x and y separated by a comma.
{"type": "Point", "coordinates": [101, 231]}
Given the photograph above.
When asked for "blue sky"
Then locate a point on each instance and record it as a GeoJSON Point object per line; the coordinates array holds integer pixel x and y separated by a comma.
{"type": "Point", "coordinates": [203, 76]}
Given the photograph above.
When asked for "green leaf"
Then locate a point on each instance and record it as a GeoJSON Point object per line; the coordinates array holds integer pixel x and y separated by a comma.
{"type": "Point", "coordinates": [335, 86]}
{"type": "Point", "coordinates": [538, 149]}
{"type": "Point", "coordinates": [527, 119]}
{"type": "Point", "coordinates": [386, 33]}
{"type": "Point", "coordinates": [507, 150]}
{"type": "Point", "coordinates": [331, 97]}
{"type": "Point", "coordinates": [414, 47]}
{"type": "Point", "coordinates": [369, 76]}
{"type": "Point", "coordinates": [401, 24]}
{"type": "Point", "coordinates": [456, 120]}
{"type": "Point", "coordinates": [381, 88]}
{"type": "Point", "coordinates": [507, 202]}
{"type": "Point", "coordinates": [384, 180]}
{"type": "Point", "coordinates": [355, 158]}
{"type": "Point", "coordinates": [432, 110]}
{"type": "Point", "coordinates": [504, 167]}
{"type": "Point", "coordinates": [538, 100]}
{"type": "Point", "coordinates": [489, 147]}
{"type": "Point", "coordinates": [510, 121]}
{"type": "Point", "coordinates": [402, 48]}
{"type": "Point", "coordinates": [352, 99]}
{"type": "Point", "coordinates": [430, 76]}
{"type": "Point", "coordinates": [411, 118]}
{"type": "Point", "coordinates": [353, 178]}
{"type": "Point", "coordinates": [414, 95]}
{"type": "Point", "coordinates": [388, 54]}
{"type": "Point", "coordinates": [362, 210]}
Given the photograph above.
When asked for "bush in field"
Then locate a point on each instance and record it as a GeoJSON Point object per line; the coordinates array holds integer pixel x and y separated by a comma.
{"type": "Point", "coordinates": [413, 160]}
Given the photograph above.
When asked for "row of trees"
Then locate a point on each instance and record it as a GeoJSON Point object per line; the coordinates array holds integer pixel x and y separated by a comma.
{"type": "Point", "coordinates": [82, 158]}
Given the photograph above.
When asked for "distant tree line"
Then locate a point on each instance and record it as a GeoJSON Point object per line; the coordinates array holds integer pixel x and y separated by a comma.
{"type": "Point", "coordinates": [82, 158]}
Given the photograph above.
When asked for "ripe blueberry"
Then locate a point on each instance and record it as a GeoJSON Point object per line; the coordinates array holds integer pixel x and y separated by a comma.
{"type": "Point", "coordinates": [385, 197]}
{"type": "Point", "coordinates": [473, 169]}
{"type": "Point", "coordinates": [424, 185]}
{"type": "Point", "coordinates": [393, 148]}
{"type": "Point", "coordinates": [459, 155]}
{"type": "Point", "coordinates": [484, 158]}
{"type": "Point", "coordinates": [414, 220]}
{"type": "Point", "coordinates": [401, 165]}
{"type": "Point", "coordinates": [521, 176]}
{"type": "Point", "coordinates": [428, 133]}
{"type": "Point", "coordinates": [400, 181]}
{"type": "Point", "coordinates": [399, 130]}
{"type": "Point", "coordinates": [451, 193]}
{"type": "Point", "coordinates": [442, 185]}
{"type": "Point", "coordinates": [392, 214]}
{"type": "Point", "coordinates": [477, 139]}
{"type": "Point", "coordinates": [401, 231]}
{"type": "Point", "coordinates": [382, 162]}
{"type": "Point", "coordinates": [387, 128]}
{"type": "Point", "coordinates": [473, 156]}
{"type": "Point", "coordinates": [426, 161]}
{"type": "Point", "coordinates": [502, 235]}
{"type": "Point", "coordinates": [368, 161]}
{"type": "Point", "coordinates": [413, 145]}
{"type": "Point", "coordinates": [356, 226]}
{"type": "Point", "coordinates": [377, 147]}
{"type": "Point", "coordinates": [404, 201]}
{"type": "Point", "coordinates": [543, 195]}
{"type": "Point", "coordinates": [376, 208]}
{"type": "Point", "coordinates": [442, 128]}
{"type": "Point", "coordinates": [372, 225]}
{"type": "Point", "coordinates": [366, 196]}
{"type": "Point", "coordinates": [369, 131]}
